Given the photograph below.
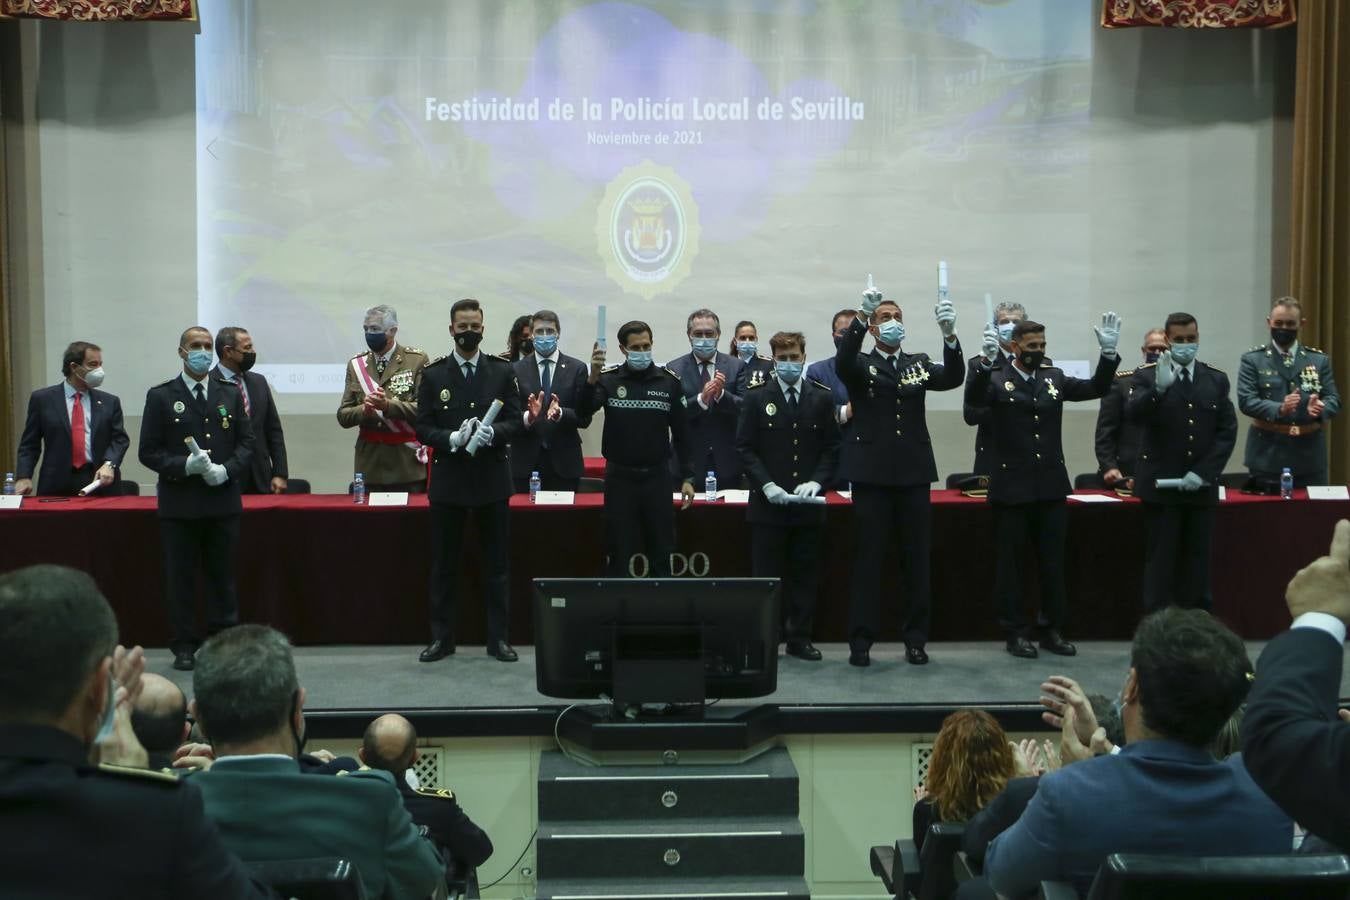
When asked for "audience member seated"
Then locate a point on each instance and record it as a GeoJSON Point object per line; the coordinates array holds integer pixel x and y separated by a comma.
{"type": "Point", "coordinates": [159, 719]}
{"type": "Point", "coordinates": [249, 705]}
{"type": "Point", "coordinates": [1163, 792]}
{"type": "Point", "coordinates": [71, 827]}
{"type": "Point", "coordinates": [1292, 742]}
{"type": "Point", "coordinates": [390, 745]}
{"type": "Point", "coordinates": [972, 760]}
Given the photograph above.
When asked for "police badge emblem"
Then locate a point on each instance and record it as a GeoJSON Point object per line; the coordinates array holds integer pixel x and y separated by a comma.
{"type": "Point", "coordinates": [178, 406]}
{"type": "Point", "coordinates": [1008, 386]}
{"type": "Point", "coordinates": [872, 370]}
{"type": "Point", "coordinates": [647, 229]}
{"type": "Point", "coordinates": [622, 392]}
{"type": "Point", "coordinates": [445, 394]}
{"type": "Point", "coordinates": [771, 410]}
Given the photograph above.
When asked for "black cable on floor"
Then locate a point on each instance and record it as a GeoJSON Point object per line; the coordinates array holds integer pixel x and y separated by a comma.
{"type": "Point", "coordinates": [513, 865]}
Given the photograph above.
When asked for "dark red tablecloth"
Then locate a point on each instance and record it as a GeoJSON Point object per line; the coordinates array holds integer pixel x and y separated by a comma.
{"type": "Point", "coordinates": [325, 571]}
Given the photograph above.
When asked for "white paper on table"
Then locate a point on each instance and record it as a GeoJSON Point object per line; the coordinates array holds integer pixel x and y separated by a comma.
{"type": "Point", "coordinates": [699, 497]}
{"type": "Point", "coordinates": [734, 496]}
{"type": "Point", "coordinates": [554, 498]}
{"type": "Point", "coordinates": [90, 488]}
{"type": "Point", "coordinates": [1328, 492]}
{"type": "Point", "coordinates": [1094, 498]}
{"type": "Point", "coordinates": [1223, 493]}
{"type": "Point", "coordinates": [847, 495]}
{"type": "Point", "coordinates": [11, 501]}
{"type": "Point", "coordinates": [388, 498]}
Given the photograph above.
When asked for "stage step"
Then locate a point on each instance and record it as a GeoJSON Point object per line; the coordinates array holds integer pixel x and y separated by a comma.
{"type": "Point", "coordinates": [704, 848]}
{"type": "Point", "coordinates": [569, 790]}
{"type": "Point", "coordinates": [666, 889]}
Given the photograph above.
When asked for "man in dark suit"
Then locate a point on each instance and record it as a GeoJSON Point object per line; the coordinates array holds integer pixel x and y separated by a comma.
{"type": "Point", "coordinates": [712, 383]}
{"type": "Point", "coordinates": [1006, 316]}
{"type": "Point", "coordinates": [789, 444]}
{"type": "Point", "coordinates": [824, 371]}
{"type": "Point", "coordinates": [1190, 429]}
{"type": "Point", "coordinates": [1293, 744]}
{"type": "Point", "coordinates": [76, 428]}
{"type": "Point", "coordinates": [455, 392]}
{"type": "Point", "coordinates": [235, 357]}
{"type": "Point", "coordinates": [1028, 481]}
{"type": "Point", "coordinates": [80, 816]}
{"type": "Point", "coordinates": [551, 384]}
{"type": "Point", "coordinates": [1119, 439]}
{"type": "Point", "coordinates": [1165, 791]}
{"type": "Point", "coordinates": [889, 459]}
{"type": "Point", "coordinates": [198, 490]}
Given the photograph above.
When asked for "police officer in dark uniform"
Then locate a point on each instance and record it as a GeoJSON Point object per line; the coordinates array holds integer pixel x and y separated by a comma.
{"type": "Point", "coordinates": [1190, 429]}
{"type": "Point", "coordinates": [644, 417]}
{"type": "Point", "coordinates": [199, 490]}
{"type": "Point", "coordinates": [745, 347]}
{"type": "Point", "coordinates": [1028, 483]}
{"type": "Point", "coordinates": [788, 439]}
{"type": "Point", "coordinates": [889, 460]}
{"type": "Point", "coordinates": [455, 393]}
{"type": "Point", "coordinates": [1006, 316]}
{"type": "Point", "coordinates": [69, 827]}
{"type": "Point", "coordinates": [1118, 439]}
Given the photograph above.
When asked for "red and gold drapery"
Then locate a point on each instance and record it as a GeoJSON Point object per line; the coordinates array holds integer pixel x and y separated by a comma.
{"type": "Point", "coordinates": [99, 10]}
{"type": "Point", "coordinates": [1197, 13]}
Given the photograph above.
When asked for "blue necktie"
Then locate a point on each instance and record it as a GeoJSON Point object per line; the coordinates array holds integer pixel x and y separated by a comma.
{"type": "Point", "coordinates": [468, 374]}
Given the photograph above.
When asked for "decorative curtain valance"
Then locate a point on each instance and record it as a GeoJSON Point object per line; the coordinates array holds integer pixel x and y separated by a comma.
{"type": "Point", "coordinates": [1197, 13]}
{"type": "Point", "coordinates": [99, 10]}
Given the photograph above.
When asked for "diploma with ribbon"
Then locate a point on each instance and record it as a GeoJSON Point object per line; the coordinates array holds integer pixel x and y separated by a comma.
{"type": "Point", "coordinates": [400, 432]}
{"type": "Point", "coordinates": [488, 418]}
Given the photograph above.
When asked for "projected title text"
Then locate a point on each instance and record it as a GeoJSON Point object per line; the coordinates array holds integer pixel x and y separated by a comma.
{"type": "Point", "coordinates": [646, 109]}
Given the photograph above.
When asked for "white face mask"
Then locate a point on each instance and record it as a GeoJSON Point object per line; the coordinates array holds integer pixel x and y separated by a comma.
{"type": "Point", "coordinates": [105, 726]}
{"type": "Point", "coordinates": [94, 377]}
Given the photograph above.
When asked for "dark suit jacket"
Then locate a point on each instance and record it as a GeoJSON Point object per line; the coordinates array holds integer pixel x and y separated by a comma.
{"type": "Point", "coordinates": [980, 417]}
{"type": "Point", "coordinates": [1183, 432]}
{"type": "Point", "coordinates": [46, 431]}
{"type": "Point", "coordinates": [69, 829]}
{"type": "Point", "coordinates": [890, 445]}
{"type": "Point", "coordinates": [221, 427]}
{"type": "Point", "coordinates": [269, 441]}
{"type": "Point", "coordinates": [1000, 815]}
{"type": "Point", "coordinates": [712, 430]}
{"type": "Point", "coordinates": [564, 444]}
{"type": "Point", "coordinates": [1118, 440]}
{"type": "Point", "coordinates": [825, 371]}
{"type": "Point", "coordinates": [444, 401]}
{"type": "Point", "coordinates": [787, 449]}
{"type": "Point", "coordinates": [1026, 418]}
{"type": "Point", "coordinates": [1295, 747]}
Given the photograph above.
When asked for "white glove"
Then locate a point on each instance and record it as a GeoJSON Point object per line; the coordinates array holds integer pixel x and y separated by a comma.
{"type": "Point", "coordinates": [946, 318]}
{"type": "Point", "coordinates": [197, 463]}
{"type": "Point", "coordinates": [1108, 333]}
{"type": "Point", "coordinates": [1163, 372]}
{"type": "Point", "coordinates": [807, 489]}
{"type": "Point", "coordinates": [776, 495]}
{"type": "Point", "coordinates": [461, 437]}
{"type": "Point", "coordinates": [989, 345]}
{"type": "Point", "coordinates": [1191, 482]}
{"type": "Point", "coordinates": [215, 475]}
{"type": "Point", "coordinates": [871, 300]}
{"type": "Point", "coordinates": [486, 434]}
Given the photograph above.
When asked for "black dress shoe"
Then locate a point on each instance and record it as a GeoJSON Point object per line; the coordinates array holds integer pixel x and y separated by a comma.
{"type": "Point", "coordinates": [503, 651]}
{"type": "Point", "coordinates": [183, 660]}
{"type": "Point", "coordinates": [437, 649]}
{"type": "Point", "coordinates": [803, 650]}
{"type": "Point", "coordinates": [1055, 643]}
{"type": "Point", "coordinates": [859, 656]}
{"type": "Point", "coordinates": [915, 656]}
{"type": "Point", "coordinates": [1022, 648]}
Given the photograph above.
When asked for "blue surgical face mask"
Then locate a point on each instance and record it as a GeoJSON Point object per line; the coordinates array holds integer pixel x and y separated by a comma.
{"type": "Point", "coordinates": [891, 332]}
{"type": "Point", "coordinates": [1184, 354]}
{"type": "Point", "coordinates": [704, 347]}
{"type": "Point", "coordinates": [376, 340]}
{"type": "Point", "coordinates": [545, 344]}
{"type": "Point", "coordinates": [639, 359]}
{"type": "Point", "coordinates": [746, 350]}
{"type": "Point", "coordinates": [788, 371]}
{"type": "Point", "coordinates": [1005, 330]}
{"type": "Point", "coordinates": [199, 361]}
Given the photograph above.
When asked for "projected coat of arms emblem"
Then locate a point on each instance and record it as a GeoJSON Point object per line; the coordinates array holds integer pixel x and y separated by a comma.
{"type": "Point", "coordinates": [647, 229]}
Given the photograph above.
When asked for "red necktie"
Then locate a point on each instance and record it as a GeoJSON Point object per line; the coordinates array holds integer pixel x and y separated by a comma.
{"type": "Point", "coordinates": [77, 458]}
{"type": "Point", "coordinates": [248, 407]}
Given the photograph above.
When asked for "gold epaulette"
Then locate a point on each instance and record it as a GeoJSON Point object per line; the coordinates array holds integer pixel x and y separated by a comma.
{"type": "Point", "coordinates": [132, 772]}
{"type": "Point", "coordinates": [441, 793]}
{"type": "Point", "coordinates": [1146, 366]}
{"type": "Point", "coordinates": [757, 384]}
{"type": "Point", "coordinates": [1258, 348]}
{"type": "Point", "coordinates": [1314, 350]}
{"type": "Point", "coordinates": [611, 368]}
{"type": "Point", "coordinates": [416, 350]}
{"type": "Point", "coordinates": [1125, 374]}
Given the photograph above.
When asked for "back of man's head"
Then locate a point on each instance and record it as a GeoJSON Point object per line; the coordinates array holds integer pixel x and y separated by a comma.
{"type": "Point", "coordinates": [244, 685]}
{"type": "Point", "coordinates": [159, 714]}
{"type": "Point", "coordinates": [1192, 673]}
{"type": "Point", "coordinates": [390, 744]}
{"type": "Point", "coordinates": [55, 631]}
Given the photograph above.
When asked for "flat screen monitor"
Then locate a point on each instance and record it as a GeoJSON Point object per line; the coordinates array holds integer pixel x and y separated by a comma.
{"type": "Point", "coordinates": [656, 640]}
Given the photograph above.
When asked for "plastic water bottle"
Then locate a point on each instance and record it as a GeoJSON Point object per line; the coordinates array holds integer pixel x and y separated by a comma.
{"type": "Point", "coordinates": [710, 487]}
{"type": "Point", "coordinates": [1287, 484]}
{"type": "Point", "coordinates": [9, 484]}
{"type": "Point", "coordinates": [359, 489]}
{"type": "Point", "coordinates": [534, 487]}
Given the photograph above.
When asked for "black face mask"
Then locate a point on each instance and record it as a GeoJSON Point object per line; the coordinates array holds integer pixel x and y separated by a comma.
{"type": "Point", "coordinates": [1031, 359]}
{"type": "Point", "coordinates": [527, 346]}
{"type": "Point", "coordinates": [248, 360]}
{"type": "Point", "coordinates": [838, 339]}
{"type": "Point", "coordinates": [468, 341]}
{"type": "Point", "coordinates": [1285, 337]}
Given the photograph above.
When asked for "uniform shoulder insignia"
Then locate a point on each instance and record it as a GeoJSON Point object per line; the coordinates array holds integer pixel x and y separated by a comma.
{"type": "Point", "coordinates": [418, 350]}
{"type": "Point", "coordinates": [763, 357]}
{"type": "Point", "coordinates": [1046, 365]}
{"type": "Point", "coordinates": [167, 383]}
{"type": "Point", "coordinates": [504, 356]}
{"type": "Point", "coordinates": [439, 359]}
{"type": "Point", "coordinates": [820, 384]}
{"type": "Point", "coordinates": [1126, 374]}
{"type": "Point", "coordinates": [358, 355]}
{"type": "Point", "coordinates": [1146, 366]}
{"type": "Point", "coordinates": [611, 368]}
{"type": "Point", "coordinates": [1317, 350]}
{"type": "Point", "coordinates": [671, 372]}
{"type": "Point", "coordinates": [131, 772]}
{"type": "Point", "coordinates": [1257, 349]}
{"type": "Point", "coordinates": [442, 793]}
{"type": "Point", "coordinates": [1215, 369]}
{"type": "Point", "coordinates": [757, 384]}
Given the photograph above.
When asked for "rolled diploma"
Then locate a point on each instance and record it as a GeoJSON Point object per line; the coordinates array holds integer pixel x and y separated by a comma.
{"type": "Point", "coordinates": [600, 326]}
{"type": "Point", "coordinates": [488, 418]}
{"type": "Point", "coordinates": [942, 279]}
{"type": "Point", "coordinates": [192, 444]}
{"type": "Point", "coordinates": [1172, 483]}
{"type": "Point", "coordinates": [989, 310]}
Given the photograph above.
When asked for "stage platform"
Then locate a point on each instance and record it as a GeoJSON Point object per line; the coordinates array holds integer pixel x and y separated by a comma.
{"type": "Point", "coordinates": [473, 695]}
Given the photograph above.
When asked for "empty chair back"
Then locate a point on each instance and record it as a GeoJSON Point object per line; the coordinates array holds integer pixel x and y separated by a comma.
{"type": "Point", "coordinates": [1131, 876]}
{"type": "Point", "coordinates": [940, 845]}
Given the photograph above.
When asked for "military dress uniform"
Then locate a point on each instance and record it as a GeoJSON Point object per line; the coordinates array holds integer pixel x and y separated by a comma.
{"type": "Point", "coordinates": [1190, 428]}
{"type": "Point", "coordinates": [69, 829]}
{"type": "Point", "coordinates": [1274, 442]}
{"type": "Point", "coordinates": [198, 523]}
{"type": "Point", "coordinates": [712, 431]}
{"type": "Point", "coordinates": [788, 435]}
{"type": "Point", "coordinates": [644, 420]}
{"type": "Point", "coordinates": [463, 485]}
{"type": "Point", "coordinates": [979, 416]}
{"type": "Point", "coordinates": [382, 456]}
{"type": "Point", "coordinates": [889, 460]}
{"type": "Point", "coordinates": [758, 370]}
{"type": "Point", "coordinates": [1028, 483]}
{"type": "Point", "coordinates": [1118, 439]}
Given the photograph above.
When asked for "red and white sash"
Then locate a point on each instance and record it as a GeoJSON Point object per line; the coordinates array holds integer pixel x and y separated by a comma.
{"type": "Point", "coordinates": [403, 433]}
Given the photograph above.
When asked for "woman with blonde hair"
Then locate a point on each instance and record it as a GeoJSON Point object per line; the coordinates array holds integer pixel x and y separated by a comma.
{"type": "Point", "coordinates": [972, 760]}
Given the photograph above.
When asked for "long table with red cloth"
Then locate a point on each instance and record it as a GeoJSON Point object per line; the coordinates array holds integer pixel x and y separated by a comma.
{"type": "Point", "coordinates": [326, 571]}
